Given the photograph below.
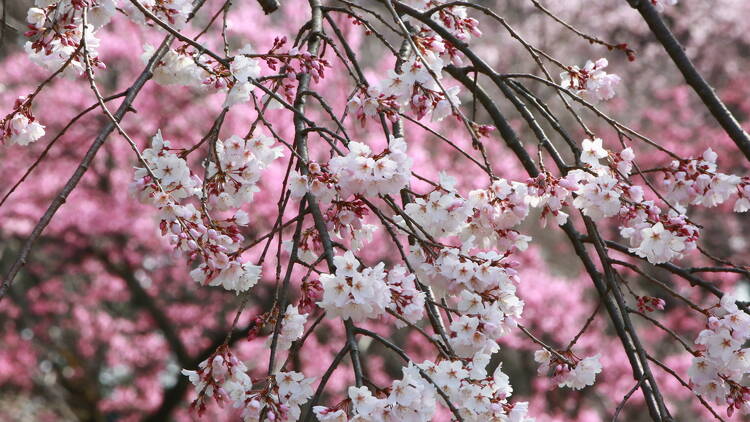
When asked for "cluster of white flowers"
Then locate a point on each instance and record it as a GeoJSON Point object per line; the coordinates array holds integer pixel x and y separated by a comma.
{"type": "Point", "coordinates": [243, 69]}
{"type": "Point", "coordinates": [486, 295]}
{"type": "Point", "coordinates": [475, 331]}
{"type": "Point", "coordinates": [350, 293]}
{"type": "Point", "coordinates": [697, 182]}
{"type": "Point", "coordinates": [233, 182]}
{"type": "Point", "coordinates": [600, 188]}
{"type": "Point", "coordinates": [406, 300]}
{"type": "Point", "coordinates": [659, 245]}
{"type": "Point", "coordinates": [318, 181]}
{"type": "Point", "coordinates": [176, 67]}
{"type": "Point", "coordinates": [56, 29]}
{"type": "Point", "coordinates": [551, 195]}
{"type": "Point", "coordinates": [442, 212]}
{"type": "Point", "coordinates": [484, 219]}
{"type": "Point", "coordinates": [359, 295]}
{"type": "Point", "coordinates": [661, 238]}
{"type": "Point", "coordinates": [604, 190]}
{"type": "Point", "coordinates": [722, 363]}
{"type": "Point", "coordinates": [410, 399]}
{"type": "Point", "coordinates": [413, 398]}
{"type": "Point", "coordinates": [416, 87]}
{"type": "Point", "coordinates": [477, 396]}
{"type": "Point", "coordinates": [20, 127]}
{"type": "Point", "coordinates": [222, 377]}
{"type": "Point", "coordinates": [282, 402]}
{"type": "Point", "coordinates": [292, 328]}
{"type": "Point", "coordinates": [171, 171]}
{"type": "Point", "coordinates": [495, 210]}
{"type": "Point", "coordinates": [591, 81]}
{"type": "Point", "coordinates": [573, 372]}
{"type": "Point", "coordinates": [166, 181]}
{"type": "Point", "coordinates": [101, 12]}
{"type": "Point", "coordinates": [364, 173]}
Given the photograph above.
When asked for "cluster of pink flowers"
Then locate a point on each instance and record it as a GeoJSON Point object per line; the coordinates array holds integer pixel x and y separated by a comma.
{"type": "Point", "coordinates": [650, 304]}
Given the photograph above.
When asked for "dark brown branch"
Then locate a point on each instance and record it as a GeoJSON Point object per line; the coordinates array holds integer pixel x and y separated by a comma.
{"type": "Point", "coordinates": [693, 78]}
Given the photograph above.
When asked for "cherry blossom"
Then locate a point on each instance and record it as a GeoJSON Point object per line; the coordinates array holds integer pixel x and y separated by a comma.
{"type": "Point", "coordinates": [342, 166]}
{"type": "Point", "coordinates": [573, 372]}
{"type": "Point", "coordinates": [591, 80]}
{"type": "Point", "coordinates": [350, 293]}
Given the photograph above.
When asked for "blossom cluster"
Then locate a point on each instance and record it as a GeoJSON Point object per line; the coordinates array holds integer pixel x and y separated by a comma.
{"type": "Point", "coordinates": [486, 294]}
{"type": "Point", "coordinates": [292, 328]}
{"type": "Point", "coordinates": [591, 80]}
{"type": "Point", "coordinates": [359, 295]}
{"type": "Point", "coordinates": [224, 378]}
{"type": "Point", "coordinates": [56, 32]}
{"type": "Point", "coordinates": [364, 173]}
{"type": "Point", "coordinates": [567, 369]}
{"type": "Point", "coordinates": [409, 399]}
{"type": "Point", "coordinates": [166, 182]}
{"type": "Point", "coordinates": [477, 395]}
{"type": "Point", "coordinates": [279, 401]}
{"type": "Point", "coordinates": [606, 190]}
{"type": "Point", "coordinates": [484, 219]}
{"type": "Point", "coordinates": [721, 363]}
{"type": "Point", "coordinates": [413, 398]}
{"type": "Point", "coordinates": [416, 87]}
{"type": "Point", "coordinates": [696, 181]}
{"type": "Point", "coordinates": [20, 127]}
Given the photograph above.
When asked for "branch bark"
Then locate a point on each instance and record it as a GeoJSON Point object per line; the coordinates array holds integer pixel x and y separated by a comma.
{"type": "Point", "coordinates": [693, 78]}
{"type": "Point", "coordinates": [72, 182]}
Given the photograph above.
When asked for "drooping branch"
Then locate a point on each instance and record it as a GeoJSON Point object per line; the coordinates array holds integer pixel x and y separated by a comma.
{"type": "Point", "coordinates": [72, 182]}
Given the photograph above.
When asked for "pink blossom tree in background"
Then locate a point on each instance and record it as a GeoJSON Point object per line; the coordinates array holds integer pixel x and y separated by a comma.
{"type": "Point", "coordinates": [374, 210]}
